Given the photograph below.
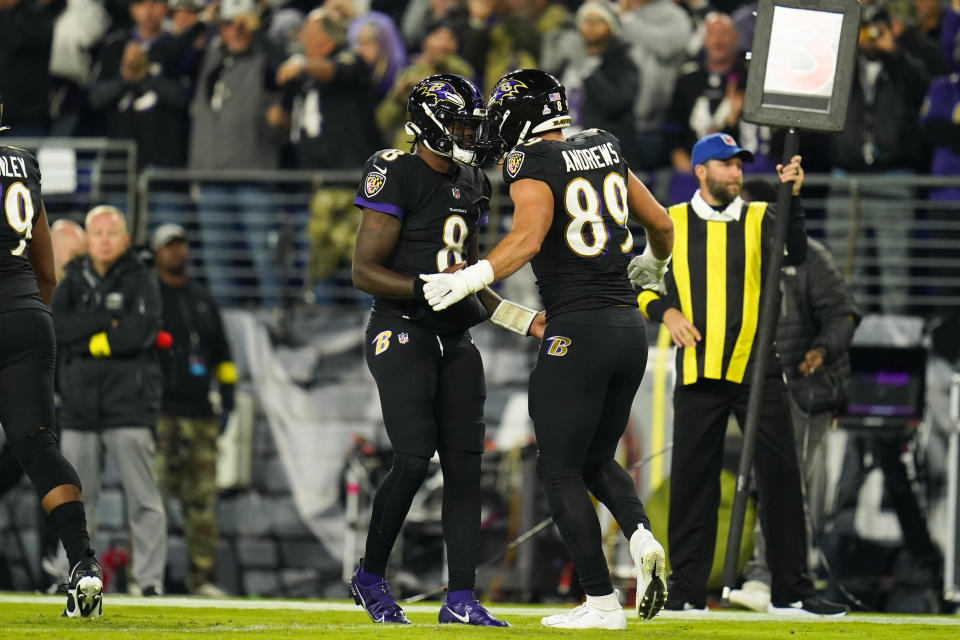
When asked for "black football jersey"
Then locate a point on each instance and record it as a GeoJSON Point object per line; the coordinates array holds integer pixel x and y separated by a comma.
{"type": "Point", "coordinates": [439, 216]}
{"type": "Point", "coordinates": [582, 263]}
{"type": "Point", "coordinates": [20, 198]}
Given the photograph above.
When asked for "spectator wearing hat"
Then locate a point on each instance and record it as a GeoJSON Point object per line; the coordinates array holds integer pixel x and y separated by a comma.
{"type": "Point", "coordinates": [234, 127]}
{"type": "Point", "coordinates": [197, 361]}
{"type": "Point", "coordinates": [602, 83]}
{"type": "Point", "coordinates": [710, 308]}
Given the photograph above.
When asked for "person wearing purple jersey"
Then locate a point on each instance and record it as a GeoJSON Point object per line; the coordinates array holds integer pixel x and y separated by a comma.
{"type": "Point", "coordinates": [28, 353]}
{"type": "Point", "coordinates": [940, 126]}
{"type": "Point", "coordinates": [572, 197]}
{"type": "Point", "coordinates": [420, 213]}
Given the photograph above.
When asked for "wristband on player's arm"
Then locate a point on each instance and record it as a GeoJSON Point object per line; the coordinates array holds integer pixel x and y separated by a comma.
{"type": "Point", "coordinates": [513, 317]}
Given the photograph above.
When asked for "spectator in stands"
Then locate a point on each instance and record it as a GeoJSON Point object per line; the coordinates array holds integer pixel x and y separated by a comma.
{"type": "Point", "coordinates": [950, 35]}
{"type": "Point", "coordinates": [137, 87]}
{"type": "Point", "coordinates": [498, 37]}
{"type": "Point", "coordinates": [69, 241]}
{"type": "Point", "coordinates": [922, 45]}
{"type": "Point", "coordinates": [601, 84]}
{"type": "Point", "coordinates": [708, 98]}
{"type": "Point", "coordinates": [375, 38]}
{"type": "Point", "coordinates": [419, 15]}
{"type": "Point", "coordinates": [332, 98]}
{"type": "Point", "coordinates": [188, 427]}
{"type": "Point", "coordinates": [940, 127]}
{"type": "Point", "coordinates": [26, 33]}
{"type": "Point", "coordinates": [658, 31]}
{"type": "Point", "coordinates": [745, 21]}
{"type": "Point", "coordinates": [881, 138]}
{"type": "Point", "coordinates": [77, 30]}
{"type": "Point", "coordinates": [438, 55]}
{"type": "Point", "coordinates": [184, 14]}
{"type": "Point", "coordinates": [106, 315]}
{"type": "Point", "coordinates": [237, 124]}
{"type": "Point", "coordinates": [818, 316]}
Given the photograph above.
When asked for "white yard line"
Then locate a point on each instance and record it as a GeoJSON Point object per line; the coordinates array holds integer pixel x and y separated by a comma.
{"type": "Point", "coordinates": [119, 600]}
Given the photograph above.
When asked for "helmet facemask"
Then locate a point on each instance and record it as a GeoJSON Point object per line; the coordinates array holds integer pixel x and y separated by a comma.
{"type": "Point", "coordinates": [447, 114]}
{"type": "Point", "coordinates": [460, 137]}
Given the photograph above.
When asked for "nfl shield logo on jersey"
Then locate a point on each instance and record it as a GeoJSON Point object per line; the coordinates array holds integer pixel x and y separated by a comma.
{"type": "Point", "coordinates": [513, 163]}
{"type": "Point", "coordinates": [373, 183]}
{"type": "Point", "coordinates": [403, 338]}
{"type": "Point", "coordinates": [456, 192]}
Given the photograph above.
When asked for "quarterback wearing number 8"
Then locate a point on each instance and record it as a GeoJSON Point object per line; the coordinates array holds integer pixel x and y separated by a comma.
{"type": "Point", "coordinates": [572, 197]}
{"type": "Point", "coordinates": [420, 213]}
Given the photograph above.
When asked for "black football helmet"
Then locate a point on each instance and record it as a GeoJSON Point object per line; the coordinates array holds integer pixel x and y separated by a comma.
{"type": "Point", "coordinates": [447, 114]}
{"type": "Point", "coordinates": [525, 102]}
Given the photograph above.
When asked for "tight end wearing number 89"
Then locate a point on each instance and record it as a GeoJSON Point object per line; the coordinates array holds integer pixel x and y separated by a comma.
{"type": "Point", "coordinates": [572, 197]}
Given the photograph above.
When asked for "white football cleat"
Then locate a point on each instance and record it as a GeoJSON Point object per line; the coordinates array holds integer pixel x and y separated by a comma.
{"type": "Point", "coordinates": [754, 595]}
{"type": "Point", "coordinates": [85, 590]}
{"type": "Point", "coordinates": [651, 562]}
{"type": "Point", "coordinates": [586, 617]}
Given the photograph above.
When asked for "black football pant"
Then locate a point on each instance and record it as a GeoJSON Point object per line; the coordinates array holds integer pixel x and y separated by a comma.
{"type": "Point", "coordinates": [581, 392]}
{"type": "Point", "coordinates": [432, 391]}
{"type": "Point", "coordinates": [700, 415]}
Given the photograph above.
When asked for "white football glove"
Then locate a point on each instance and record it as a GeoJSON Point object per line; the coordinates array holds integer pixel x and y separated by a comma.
{"type": "Point", "coordinates": [647, 271]}
{"type": "Point", "coordinates": [445, 289]}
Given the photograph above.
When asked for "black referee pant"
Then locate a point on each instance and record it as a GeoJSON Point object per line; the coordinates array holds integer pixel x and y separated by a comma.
{"type": "Point", "coordinates": [701, 411]}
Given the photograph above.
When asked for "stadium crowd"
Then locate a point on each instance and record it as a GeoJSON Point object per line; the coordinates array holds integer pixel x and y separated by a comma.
{"type": "Point", "coordinates": [322, 84]}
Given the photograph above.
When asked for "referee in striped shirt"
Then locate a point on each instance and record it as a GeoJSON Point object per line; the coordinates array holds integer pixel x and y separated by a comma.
{"type": "Point", "coordinates": [711, 306]}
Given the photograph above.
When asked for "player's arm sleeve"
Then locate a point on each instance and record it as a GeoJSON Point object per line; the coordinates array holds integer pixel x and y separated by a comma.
{"type": "Point", "coordinates": [382, 184]}
{"type": "Point", "coordinates": [653, 305]}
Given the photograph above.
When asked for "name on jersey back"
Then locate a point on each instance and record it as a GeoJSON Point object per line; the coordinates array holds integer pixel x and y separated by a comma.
{"type": "Point", "coordinates": [603, 155]}
{"type": "Point", "coordinates": [13, 167]}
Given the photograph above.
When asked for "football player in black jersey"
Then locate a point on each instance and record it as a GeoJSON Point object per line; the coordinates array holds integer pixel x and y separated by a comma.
{"type": "Point", "coordinates": [420, 213]}
{"type": "Point", "coordinates": [572, 197]}
{"type": "Point", "coordinates": [28, 355]}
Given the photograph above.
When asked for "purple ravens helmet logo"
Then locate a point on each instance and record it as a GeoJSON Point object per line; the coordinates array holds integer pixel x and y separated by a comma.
{"type": "Point", "coordinates": [444, 92]}
{"type": "Point", "coordinates": [508, 87]}
{"type": "Point", "coordinates": [373, 183]}
{"type": "Point", "coordinates": [513, 163]}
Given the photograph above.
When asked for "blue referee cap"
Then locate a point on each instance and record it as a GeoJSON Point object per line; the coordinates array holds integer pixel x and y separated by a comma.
{"type": "Point", "coordinates": [718, 146]}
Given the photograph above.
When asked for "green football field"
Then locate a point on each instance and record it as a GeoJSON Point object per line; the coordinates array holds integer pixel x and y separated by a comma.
{"type": "Point", "coordinates": [34, 616]}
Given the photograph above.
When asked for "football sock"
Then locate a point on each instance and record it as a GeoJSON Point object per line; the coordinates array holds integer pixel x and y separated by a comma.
{"type": "Point", "coordinates": [607, 602]}
{"type": "Point", "coordinates": [460, 517]}
{"type": "Point", "coordinates": [575, 517]}
{"type": "Point", "coordinates": [612, 485]}
{"type": "Point", "coordinates": [390, 507]}
{"type": "Point", "coordinates": [70, 521]}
